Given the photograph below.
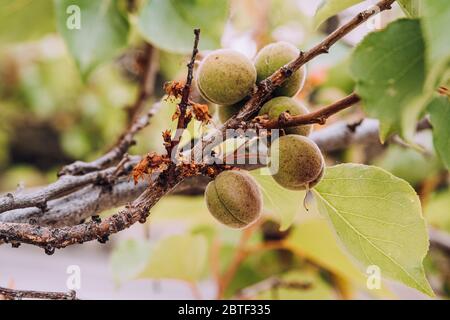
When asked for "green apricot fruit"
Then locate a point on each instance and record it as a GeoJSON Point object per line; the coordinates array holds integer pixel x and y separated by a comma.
{"type": "Point", "coordinates": [274, 107]}
{"type": "Point", "coordinates": [234, 199]}
{"type": "Point", "coordinates": [274, 56]}
{"type": "Point", "coordinates": [296, 162]}
{"type": "Point", "coordinates": [226, 112]}
{"type": "Point", "coordinates": [226, 77]}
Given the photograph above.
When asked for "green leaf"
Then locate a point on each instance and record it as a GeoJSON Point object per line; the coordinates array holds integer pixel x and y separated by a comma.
{"type": "Point", "coordinates": [389, 70]}
{"type": "Point", "coordinates": [283, 203]}
{"type": "Point", "coordinates": [378, 218]}
{"type": "Point", "coordinates": [16, 17]}
{"type": "Point", "coordinates": [169, 24]}
{"type": "Point", "coordinates": [128, 259]}
{"type": "Point", "coordinates": [435, 22]}
{"type": "Point", "coordinates": [181, 257]}
{"type": "Point", "coordinates": [325, 251]}
{"type": "Point", "coordinates": [329, 8]}
{"type": "Point", "coordinates": [440, 115]}
{"type": "Point", "coordinates": [103, 31]}
{"type": "Point", "coordinates": [412, 8]}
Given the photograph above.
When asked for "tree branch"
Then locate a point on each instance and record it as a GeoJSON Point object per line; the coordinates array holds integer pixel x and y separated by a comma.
{"type": "Point", "coordinates": [267, 86]}
{"type": "Point", "coordinates": [63, 186]}
{"type": "Point", "coordinates": [126, 140]}
{"type": "Point", "coordinates": [51, 238]}
{"type": "Point", "coordinates": [116, 153]}
{"type": "Point", "coordinates": [12, 294]}
{"type": "Point", "coordinates": [184, 119]}
{"type": "Point", "coordinates": [147, 85]}
{"type": "Point", "coordinates": [319, 116]}
{"type": "Point", "coordinates": [56, 238]}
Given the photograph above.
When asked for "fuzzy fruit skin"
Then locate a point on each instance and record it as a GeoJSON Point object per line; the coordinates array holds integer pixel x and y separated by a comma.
{"type": "Point", "coordinates": [300, 162]}
{"type": "Point", "coordinates": [234, 199]}
{"type": "Point", "coordinates": [274, 107]}
{"type": "Point", "coordinates": [274, 56]}
{"type": "Point", "coordinates": [226, 77]}
{"type": "Point", "coordinates": [226, 112]}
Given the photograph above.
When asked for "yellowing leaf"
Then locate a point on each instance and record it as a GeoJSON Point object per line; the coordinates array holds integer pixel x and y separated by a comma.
{"type": "Point", "coordinates": [181, 257]}
{"type": "Point", "coordinates": [188, 209]}
{"type": "Point", "coordinates": [16, 17]}
{"type": "Point", "coordinates": [283, 203]}
{"type": "Point", "coordinates": [314, 240]}
{"type": "Point", "coordinates": [329, 8]}
{"type": "Point", "coordinates": [437, 211]}
{"type": "Point", "coordinates": [378, 218]}
{"type": "Point", "coordinates": [128, 259]}
{"type": "Point", "coordinates": [412, 8]}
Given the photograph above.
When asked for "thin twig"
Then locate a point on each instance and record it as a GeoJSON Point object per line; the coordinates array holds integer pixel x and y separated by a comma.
{"type": "Point", "coordinates": [147, 86]}
{"type": "Point", "coordinates": [63, 186]}
{"type": "Point", "coordinates": [13, 294]}
{"type": "Point", "coordinates": [319, 116]}
{"type": "Point", "coordinates": [184, 119]}
{"type": "Point", "coordinates": [116, 153]}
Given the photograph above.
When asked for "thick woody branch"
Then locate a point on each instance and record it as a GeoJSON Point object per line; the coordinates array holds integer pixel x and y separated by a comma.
{"type": "Point", "coordinates": [12, 294]}
{"type": "Point", "coordinates": [96, 229]}
{"type": "Point", "coordinates": [63, 186]}
{"type": "Point", "coordinates": [76, 207]}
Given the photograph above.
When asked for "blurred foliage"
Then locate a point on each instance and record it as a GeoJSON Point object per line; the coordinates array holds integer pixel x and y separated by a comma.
{"type": "Point", "coordinates": [437, 210]}
{"type": "Point", "coordinates": [177, 19]}
{"type": "Point", "coordinates": [15, 17]}
{"type": "Point", "coordinates": [51, 116]}
{"type": "Point", "coordinates": [93, 32]}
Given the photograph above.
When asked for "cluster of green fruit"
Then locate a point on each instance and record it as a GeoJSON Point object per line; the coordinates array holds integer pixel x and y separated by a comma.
{"type": "Point", "coordinates": [227, 78]}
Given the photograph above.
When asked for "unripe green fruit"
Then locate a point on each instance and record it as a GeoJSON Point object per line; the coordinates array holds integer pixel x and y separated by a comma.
{"type": "Point", "coordinates": [226, 112]}
{"type": "Point", "coordinates": [276, 106]}
{"type": "Point", "coordinates": [274, 56]}
{"type": "Point", "coordinates": [234, 199]}
{"type": "Point", "coordinates": [226, 77]}
{"type": "Point", "coordinates": [296, 162]}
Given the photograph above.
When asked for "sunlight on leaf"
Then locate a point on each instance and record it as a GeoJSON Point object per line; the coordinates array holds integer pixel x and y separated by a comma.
{"type": "Point", "coordinates": [283, 203]}
{"type": "Point", "coordinates": [378, 218]}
